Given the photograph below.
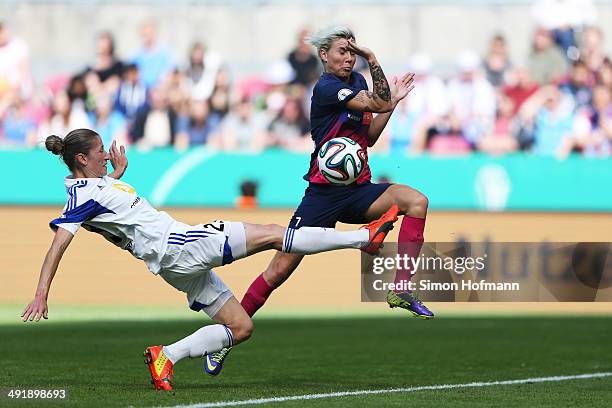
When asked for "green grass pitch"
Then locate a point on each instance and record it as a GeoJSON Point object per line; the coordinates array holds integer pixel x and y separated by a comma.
{"type": "Point", "coordinates": [101, 364]}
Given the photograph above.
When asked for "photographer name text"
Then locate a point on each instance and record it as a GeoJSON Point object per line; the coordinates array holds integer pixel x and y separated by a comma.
{"type": "Point", "coordinates": [427, 285]}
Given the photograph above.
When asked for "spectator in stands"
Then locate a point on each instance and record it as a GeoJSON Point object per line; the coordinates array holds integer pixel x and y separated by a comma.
{"type": "Point", "coordinates": [221, 95]}
{"type": "Point", "coordinates": [578, 85]}
{"type": "Point", "coordinates": [65, 117]}
{"type": "Point", "coordinates": [427, 105]}
{"type": "Point", "coordinates": [79, 95]}
{"type": "Point", "coordinates": [562, 18]}
{"type": "Point", "coordinates": [446, 137]}
{"type": "Point", "coordinates": [195, 67]}
{"type": "Point", "coordinates": [592, 48]}
{"type": "Point", "coordinates": [472, 98]}
{"type": "Point", "coordinates": [399, 134]}
{"type": "Point", "coordinates": [546, 62]}
{"type": "Point", "coordinates": [202, 71]}
{"type": "Point", "coordinates": [304, 61]}
{"type": "Point", "coordinates": [156, 125]}
{"type": "Point", "coordinates": [179, 93]}
{"type": "Point", "coordinates": [18, 126]}
{"type": "Point", "coordinates": [244, 128]}
{"type": "Point", "coordinates": [278, 77]}
{"type": "Point", "coordinates": [197, 128]}
{"type": "Point", "coordinates": [153, 60]}
{"type": "Point", "coordinates": [501, 139]}
{"type": "Point", "coordinates": [551, 114]}
{"type": "Point", "coordinates": [596, 135]}
{"type": "Point", "coordinates": [290, 129]}
{"type": "Point", "coordinates": [604, 75]}
{"type": "Point", "coordinates": [429, 99]}
{"type": "Point", "coordinates": [497, 62]}
{"type": "Point", "coordinates": [131, 98]}
{"type": "Point", "coordinates": [110, 124]}
{"type": "Point", "coordinates": [104, 76]}
{"type": "Point", "coordinates": [520, 86]}
{"type": "Point", "coordinates": [15, 75]}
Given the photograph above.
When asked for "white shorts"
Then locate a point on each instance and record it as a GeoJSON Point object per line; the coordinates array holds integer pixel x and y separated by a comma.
{"type": "Point", "coordinates": [192, 252]}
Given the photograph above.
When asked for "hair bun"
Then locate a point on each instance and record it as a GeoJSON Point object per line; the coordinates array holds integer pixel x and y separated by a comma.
{"type": "Point", "coordinates": [55, 145]}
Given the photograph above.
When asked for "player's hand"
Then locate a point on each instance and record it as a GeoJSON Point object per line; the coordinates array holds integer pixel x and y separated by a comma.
{"type": "Point", "coordinates": [359, 49]}
{"type": "Point", "coordinates": [35, 310]}
{"type": "Point", "coordinates": [118, 159]}
{"type": "Point", "coordinates": [401, 87]}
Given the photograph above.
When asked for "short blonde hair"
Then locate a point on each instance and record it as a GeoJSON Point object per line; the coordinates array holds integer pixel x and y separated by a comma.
{"type": "Point", "coordinates": [323, 39]}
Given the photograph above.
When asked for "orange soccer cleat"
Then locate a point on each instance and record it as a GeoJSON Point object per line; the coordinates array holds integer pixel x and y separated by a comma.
{"type": "Point", "coordinates": [379, 230]}
{"type": "Point", "coordinates": [160, 366]}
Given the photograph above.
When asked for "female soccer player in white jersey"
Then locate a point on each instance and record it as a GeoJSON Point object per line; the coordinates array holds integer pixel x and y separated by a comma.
{"type": "Point", "coordinates": [183, 255]}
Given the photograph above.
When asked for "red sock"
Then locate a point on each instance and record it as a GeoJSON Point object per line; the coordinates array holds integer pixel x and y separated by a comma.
{"type": "Point", "coordinates": [256, 295]}
{"type": "Point", "coordinates": [409, 243]}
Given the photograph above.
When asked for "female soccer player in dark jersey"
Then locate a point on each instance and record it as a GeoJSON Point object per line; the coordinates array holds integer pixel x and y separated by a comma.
{"type": "Point", "coordinates": [342, 105]}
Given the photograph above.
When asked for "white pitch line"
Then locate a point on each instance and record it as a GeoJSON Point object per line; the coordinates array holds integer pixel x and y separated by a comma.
{"type": "Point", "coordinates": [394, 390]}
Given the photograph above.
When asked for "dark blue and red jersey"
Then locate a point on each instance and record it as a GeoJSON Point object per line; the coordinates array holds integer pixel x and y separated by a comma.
{"type": "Point", "coordinates": [330, 118]}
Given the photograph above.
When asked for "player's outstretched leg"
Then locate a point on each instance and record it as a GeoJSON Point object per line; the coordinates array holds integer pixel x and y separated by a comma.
{"type": "Point", "coordinates": [313, 240]}
{"type": "Point", "coordinates": [293, 242]}
{"type": "Point", "coordinates": [235, 327]}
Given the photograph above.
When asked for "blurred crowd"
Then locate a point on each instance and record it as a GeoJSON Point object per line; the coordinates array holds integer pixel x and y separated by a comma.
{"type": "Point", "coordinates": [558, 102]}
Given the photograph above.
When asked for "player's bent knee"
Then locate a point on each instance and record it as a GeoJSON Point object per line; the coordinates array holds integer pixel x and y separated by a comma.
{"type": "Point", "coordinates": [418, 204]}
{"type": "Point", "coordinates": [243, 330]}
{"type": "Point", "coordinates": [247, 330]}
{"type": "Point", "coordinates": [422, 201]}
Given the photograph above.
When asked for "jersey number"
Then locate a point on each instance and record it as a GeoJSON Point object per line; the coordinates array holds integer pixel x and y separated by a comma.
{"type": "Point", "coordinates": [218, 227]}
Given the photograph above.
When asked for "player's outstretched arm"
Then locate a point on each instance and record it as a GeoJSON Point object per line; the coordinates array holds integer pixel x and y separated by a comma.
{"type": "Point", "coordinates": [37, 308]}
{"type": "Point", "coordinates": [118, 160]}
{"type": "Point", "coordinates": [379, 100]}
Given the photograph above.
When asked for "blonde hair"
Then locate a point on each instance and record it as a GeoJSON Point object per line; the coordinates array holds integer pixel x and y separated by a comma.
{"type": "Point", "coordinates": [323, 39]}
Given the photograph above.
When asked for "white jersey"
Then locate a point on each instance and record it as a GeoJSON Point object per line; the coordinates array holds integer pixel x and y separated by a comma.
{"type": "Point", "coordinates": [114, 210]}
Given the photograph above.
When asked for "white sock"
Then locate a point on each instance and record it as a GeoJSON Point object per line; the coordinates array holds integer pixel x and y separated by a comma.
{"type": "Point", "coordinates": [311, 240]}
{"type": "Point", "coordinates": [208, 339]}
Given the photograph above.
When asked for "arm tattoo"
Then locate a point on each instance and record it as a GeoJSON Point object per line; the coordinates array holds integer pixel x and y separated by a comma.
{"type": "Point", "coordinates": [381, 86]}
{"type": "Point", "coordinates": [365, 99]}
